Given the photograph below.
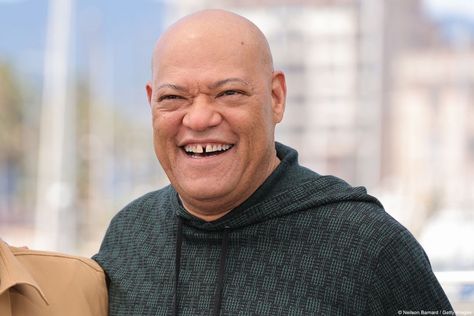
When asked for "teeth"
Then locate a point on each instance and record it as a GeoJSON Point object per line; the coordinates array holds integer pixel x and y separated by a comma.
{"type": "Point", "coordinates": [197, 149]}
{"type": "Point", "coordinates": [214, 148]}
{"type": "Point", "coordinates": [209, 148]}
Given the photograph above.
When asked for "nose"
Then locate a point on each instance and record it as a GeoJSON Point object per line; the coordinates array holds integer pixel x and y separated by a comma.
{"type": "Point", "coordinates": [201, 115]}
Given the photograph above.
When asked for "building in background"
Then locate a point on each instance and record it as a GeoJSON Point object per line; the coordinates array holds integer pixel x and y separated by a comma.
{"type": "Point", "coordinates": [377, 97]}
{"type": "Point", "coordinates": [433, 143]}
{"type": "Point", "coordinates": [326, 49]}
{"type": "Point", "coordinates": [338, 57]}
{"type": "Point", "coordinates": [380, 94]}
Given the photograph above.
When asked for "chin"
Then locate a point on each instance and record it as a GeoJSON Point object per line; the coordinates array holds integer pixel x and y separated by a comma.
{"type": "Point", "coordinates": [204, 192]}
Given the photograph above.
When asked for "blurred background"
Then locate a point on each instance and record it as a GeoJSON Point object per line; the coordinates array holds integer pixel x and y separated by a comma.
{"type": "Point", "coordinates": [381, 94]}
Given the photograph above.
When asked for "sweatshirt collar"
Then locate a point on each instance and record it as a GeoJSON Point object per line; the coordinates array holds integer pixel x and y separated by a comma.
{"type": "Point", "coordinates": [14, 274]}
{"type": "Point", "coordinates": [290, 188]}
{"type": "Point", "coordinates": [251, 210]}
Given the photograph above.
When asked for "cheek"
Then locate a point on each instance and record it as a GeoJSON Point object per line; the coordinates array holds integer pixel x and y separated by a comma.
{"type": "Point", "coordinates": [163, 135]}
{"type": "Point", "coordinates": [259, 122]}
{"type": "Point", "coordinates": [248, 118]}
{"type": "Point", "coordinates": [165, 125]}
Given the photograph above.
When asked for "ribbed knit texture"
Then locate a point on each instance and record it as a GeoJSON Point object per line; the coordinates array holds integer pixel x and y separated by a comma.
{"type": "Point", "coordinates": [303, 244]}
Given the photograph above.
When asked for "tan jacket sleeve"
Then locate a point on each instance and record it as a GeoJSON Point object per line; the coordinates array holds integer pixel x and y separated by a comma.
{"type": "Point", "coordinates": [47, 283]}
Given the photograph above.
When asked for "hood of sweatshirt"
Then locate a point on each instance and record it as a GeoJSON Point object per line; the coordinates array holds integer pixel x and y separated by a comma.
{"type": "Point", "coordinates": [290, 188]}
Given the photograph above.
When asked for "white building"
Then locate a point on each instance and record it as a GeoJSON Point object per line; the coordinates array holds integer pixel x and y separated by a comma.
{"type": "Point", "coordinates": [332, 54]}
{"type": "Point", "coordinates": [433, 131]}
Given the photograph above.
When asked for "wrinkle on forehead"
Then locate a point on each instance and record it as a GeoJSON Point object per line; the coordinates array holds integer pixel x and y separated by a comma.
{"type": "Point", "coordinates": [214, 30]}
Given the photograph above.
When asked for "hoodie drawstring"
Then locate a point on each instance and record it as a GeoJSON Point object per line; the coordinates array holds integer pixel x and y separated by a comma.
{"type": "Point", "coordinates": [177, 264]}
{"type": "Point", "coordinates": [220, 276]}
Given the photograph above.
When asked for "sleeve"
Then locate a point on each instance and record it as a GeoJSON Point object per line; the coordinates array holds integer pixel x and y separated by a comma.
{"type": "Point", "coordinates": [404, 282]}
{"type": "Point", "coordinates": [93, 291]}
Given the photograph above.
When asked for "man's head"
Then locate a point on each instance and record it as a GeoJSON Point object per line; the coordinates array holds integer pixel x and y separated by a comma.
{"type": "Point", "coordinates": [215, 101]}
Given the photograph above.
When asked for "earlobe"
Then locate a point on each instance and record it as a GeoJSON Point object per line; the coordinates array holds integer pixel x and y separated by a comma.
{"type": "Point", "coordinates": [278, 95]}
{"type": "Point", "coordinates": [149, 92]}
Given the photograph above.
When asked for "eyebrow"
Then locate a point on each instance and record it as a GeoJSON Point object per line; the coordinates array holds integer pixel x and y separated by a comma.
{"type": "Point", "coordinates": [171, 86]}
{"type": "Point", "coordinates": [228, 80]}
{"type": "Point", "coordinates": [211, 86]}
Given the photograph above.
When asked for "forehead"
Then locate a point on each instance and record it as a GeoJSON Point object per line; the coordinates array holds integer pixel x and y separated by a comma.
{"type": "Point", "coordinates": [199, 52]}
{"type": "Point", "coordinates": [187, 64]}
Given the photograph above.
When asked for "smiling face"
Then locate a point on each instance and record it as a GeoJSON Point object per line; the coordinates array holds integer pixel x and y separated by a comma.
{"type": "Point", "coordinates": [215, 102]}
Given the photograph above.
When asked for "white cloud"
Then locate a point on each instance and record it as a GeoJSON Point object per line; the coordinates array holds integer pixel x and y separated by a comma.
{"type": "Point", "coordinates": [162, 1]}
{"type": "Point", "coordinates": [461, 8]}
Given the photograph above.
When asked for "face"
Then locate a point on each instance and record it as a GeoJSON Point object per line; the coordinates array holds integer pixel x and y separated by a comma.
{"type": "Point", "coordinates": [214, 110]}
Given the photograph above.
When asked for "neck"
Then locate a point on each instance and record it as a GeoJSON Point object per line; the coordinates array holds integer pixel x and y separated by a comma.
{"type": "Point", "coordinates": [206, 217]}
{"type": "Point", "coordinates": [207, 211]}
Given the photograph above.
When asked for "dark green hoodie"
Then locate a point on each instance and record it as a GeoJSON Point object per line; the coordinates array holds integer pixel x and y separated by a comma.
{"type": "Point", "coordinates": [302, 244]}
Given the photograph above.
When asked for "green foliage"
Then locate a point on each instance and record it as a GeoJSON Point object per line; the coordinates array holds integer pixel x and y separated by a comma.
{"type": "Point", "coordinates": [11, 115]}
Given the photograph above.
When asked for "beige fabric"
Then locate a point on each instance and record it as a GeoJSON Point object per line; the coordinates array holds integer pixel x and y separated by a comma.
{"type": "Point", "coordinates": [37, 283]}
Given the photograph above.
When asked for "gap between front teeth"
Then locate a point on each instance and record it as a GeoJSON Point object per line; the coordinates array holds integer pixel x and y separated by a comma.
{"type": "Point", "coordinates": [209, 148]}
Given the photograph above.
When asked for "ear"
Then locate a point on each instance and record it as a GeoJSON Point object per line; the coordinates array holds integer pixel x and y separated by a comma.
{"type": "Point", "coordinates": [149, 92]}
{"type": "Point", "coordinates": [278, 96]}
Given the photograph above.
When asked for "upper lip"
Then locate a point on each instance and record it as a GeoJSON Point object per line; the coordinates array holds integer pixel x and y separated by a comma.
{"type": "Point", "coordinates": [203, 142]}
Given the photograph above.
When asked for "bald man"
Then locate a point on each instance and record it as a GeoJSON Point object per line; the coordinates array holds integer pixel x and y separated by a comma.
{"type": "Point", "coordinates": [243, 229]}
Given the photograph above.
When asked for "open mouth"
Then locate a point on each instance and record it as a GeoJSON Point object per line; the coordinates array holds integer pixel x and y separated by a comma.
{"type": "Point", "coordinates": [206, 150]}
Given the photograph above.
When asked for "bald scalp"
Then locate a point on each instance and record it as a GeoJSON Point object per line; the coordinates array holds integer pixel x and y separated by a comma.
{"type": "Point", "coordinates": [215, 28]}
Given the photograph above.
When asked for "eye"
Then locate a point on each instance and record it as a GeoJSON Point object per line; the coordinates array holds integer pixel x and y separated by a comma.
{"type": "Point", "coordinates": [229, 93]}
{"type": "Point", "coordinates": [169, 97]}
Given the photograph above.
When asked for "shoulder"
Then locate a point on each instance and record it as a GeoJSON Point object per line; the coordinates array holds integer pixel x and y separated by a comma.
{"type": "Point", "coordinates": [66, 282]}
{"type": "Point", "coordinates": [369, 221]}
{"type": "Point", "coordinates": [144, 205]}
{"type": "Point", "coordinates": [402, 278]}
{"type": "Point", "coordinates": [53, 270]}
{"type": "Point", "coordinates": [52, 260]}
{"type": "Point", "coordinates": [134, 223]}
{"type": "Point", "coordinates": [329, 208]}
{"type": "Point", "coordinates": [150, 199]}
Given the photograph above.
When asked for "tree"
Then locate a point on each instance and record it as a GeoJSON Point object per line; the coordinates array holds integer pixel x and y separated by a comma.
{"type": "Point", "coordinates": [11, 148]}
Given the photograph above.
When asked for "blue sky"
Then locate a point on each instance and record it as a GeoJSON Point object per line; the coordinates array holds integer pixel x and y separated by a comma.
{"type": "Point", "coordinates": [126, 31]}
{"type": "Point", "coordinates": [22, 21]}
